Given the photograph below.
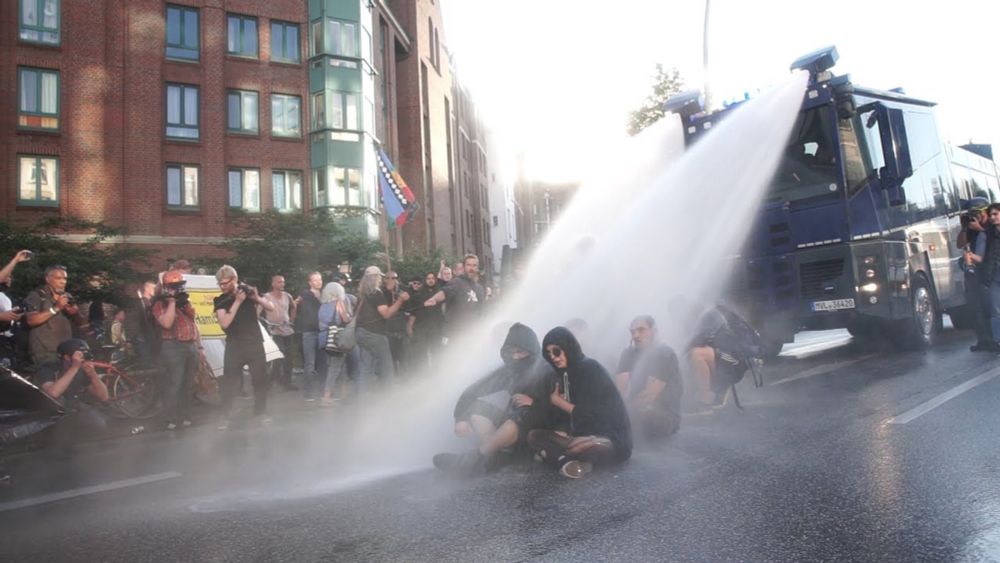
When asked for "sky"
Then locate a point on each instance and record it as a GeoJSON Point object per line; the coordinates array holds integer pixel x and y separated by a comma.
{"type": "Point", "coordinates": [555, 79]}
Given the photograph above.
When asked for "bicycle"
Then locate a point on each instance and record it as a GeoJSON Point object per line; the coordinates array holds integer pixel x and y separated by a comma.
{"type": "Point", "coordinates": [132, 385]}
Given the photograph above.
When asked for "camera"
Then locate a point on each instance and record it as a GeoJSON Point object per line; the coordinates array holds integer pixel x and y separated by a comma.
{"type": "Point", "coordinates": [70, 300]}
{"type": "Point", "coordinates": [182, 298]}
{"type": "Point", "coordinates": [243, 287]}
{"type": "Point", "coordinates": [88, 355]}
{"type": "Point", "coordinates": [29, 254]}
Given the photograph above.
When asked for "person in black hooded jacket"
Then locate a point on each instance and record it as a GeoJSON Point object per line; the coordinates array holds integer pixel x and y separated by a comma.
{"type": "Point", "coordinates": [501, 407]}
{"type": "Point", "coordinates": [588, 421]}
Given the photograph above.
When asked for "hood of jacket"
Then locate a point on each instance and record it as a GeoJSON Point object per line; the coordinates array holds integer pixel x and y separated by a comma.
{"type": "Point", "coordinates": [562, 337]}
{"type": "Point", "coordinates": [523, 338]}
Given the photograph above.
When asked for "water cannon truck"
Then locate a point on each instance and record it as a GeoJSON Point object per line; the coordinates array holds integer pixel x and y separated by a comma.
{"type": "Point", "coordinates": [859, 225]}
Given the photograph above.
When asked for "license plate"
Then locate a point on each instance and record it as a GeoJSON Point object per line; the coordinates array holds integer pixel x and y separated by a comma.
{"type": "Point", "coordinates": [833, 305]}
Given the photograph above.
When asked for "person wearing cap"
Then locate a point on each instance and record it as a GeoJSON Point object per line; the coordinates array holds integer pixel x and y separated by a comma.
{"type": "Point", "coordinates": [179, 350]}
{"type": "Point", "coordinates": [972, 239]}
{"type": "Point", "coordinates": [66, 381]}
{"type": "Point", "coordinates": [370, 332]}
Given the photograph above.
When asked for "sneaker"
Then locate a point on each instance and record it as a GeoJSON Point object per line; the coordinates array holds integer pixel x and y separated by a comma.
{"type": "Point", "coordinates": [324, 402]}
{"type": "Point", "coordinates": [266, 420]}
{"type": "Point", "coordinates": [4, 478]}
{"type": "Point", "coordinates": [137, 429]}
{"type": "Point", "coordinates": [575, 469]}
{"type": "Point", "coordinates": [310, 399]}
{"type": "Point", "coordinates": [186, 423]}
{"type": "Point", "coordinates": [171, 426]}
{"type": "Point", "coordinates": [446, 461]}
{"type": "Point", "coordinates": [223, 426]}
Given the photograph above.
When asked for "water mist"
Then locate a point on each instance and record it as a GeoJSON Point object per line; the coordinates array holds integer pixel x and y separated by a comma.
{"type": "Point", "coordinates": [661, 223]}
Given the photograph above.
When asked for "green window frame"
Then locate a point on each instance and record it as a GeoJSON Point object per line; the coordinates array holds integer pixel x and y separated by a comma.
{"type": "Point", "coordinates": [286, 115]}
{"type": "Point", "coordinates": [183, 33]}
{"type": "Point", "coordinates": [244, 189]}
{"type": "Point", "coordinates": [242, 112]}
{"type": "Point", "coordinates": [182, 186]}
{"type": "Point", "coordinates": [37, 98]}
{"type": "Point", "coordinates": [286, 190]}
{"type": "Point", "coordinates": [39, 21]}
{"type": "Point", "coordinates": [182, 112]}
{"type": "Point", "coordinates": [284, 42]}
{"type": "Point", "coordinates": [241, 36]}
{"type": "Point", "coordinates": [38, 180]}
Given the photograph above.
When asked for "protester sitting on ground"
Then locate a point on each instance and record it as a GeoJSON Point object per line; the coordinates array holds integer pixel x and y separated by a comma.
{"type": "Point", "coordinates": [588, 422]}
{"type": "Point", "coordinates": [66, 382]}
{"type": "Point", "coordinates": [721, 353]}
{"type": "Point", "coordinates": [503, 406]}
{"type": "Point", "coordinates": [648, 376]}
{"type": "Point", "coordinates": [335, 310]}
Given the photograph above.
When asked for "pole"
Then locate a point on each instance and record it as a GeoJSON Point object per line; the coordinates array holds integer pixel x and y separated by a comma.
{"type": "Point", "coordinates": [704, 60]}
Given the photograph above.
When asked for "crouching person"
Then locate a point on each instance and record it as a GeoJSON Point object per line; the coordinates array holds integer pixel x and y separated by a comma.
{"type": "Point", "coordinates": [503, 406]}
{"type": "Point", "coordinates": [649, 377]}
{"type": "Point", "coordinates": [588, 423]}
{"type": "Point", "coordinates": [67, 381]}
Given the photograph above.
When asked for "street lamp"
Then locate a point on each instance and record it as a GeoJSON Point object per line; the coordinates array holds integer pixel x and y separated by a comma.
{"type": "Point", "coordinates": [704, 60]}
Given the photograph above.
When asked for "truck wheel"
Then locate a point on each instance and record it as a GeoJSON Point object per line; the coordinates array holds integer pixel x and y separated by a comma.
{"type": "Point", "coordinates": [920, 330]}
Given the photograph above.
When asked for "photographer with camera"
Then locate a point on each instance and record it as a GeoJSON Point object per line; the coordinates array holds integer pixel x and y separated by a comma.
{"type": "Point", "coordinates": [14, 343]}
{"type": "Point", "coordinates": [66, 381]}
{"type": "Point", "coordinates": [179, 350]}
{"type": "Point", "coordinates": [244, 341]}
{"type": "Point", "coordinates": [51, 313]}
{"type": "Point", "coordinates": [972, 239]}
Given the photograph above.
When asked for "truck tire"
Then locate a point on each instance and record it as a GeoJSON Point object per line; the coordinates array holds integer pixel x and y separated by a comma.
{"type": "Point", "coordinates": [919, 331]}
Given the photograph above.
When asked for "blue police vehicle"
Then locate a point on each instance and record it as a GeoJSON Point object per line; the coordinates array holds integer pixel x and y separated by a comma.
{"type": "Point", "coordinates": [859, 224]}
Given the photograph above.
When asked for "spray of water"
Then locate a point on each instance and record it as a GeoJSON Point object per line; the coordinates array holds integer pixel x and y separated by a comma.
{"type": "Point", "coordinates": [662, 223]}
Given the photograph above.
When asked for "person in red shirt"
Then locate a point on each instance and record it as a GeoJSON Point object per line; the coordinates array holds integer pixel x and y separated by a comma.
{"type": "Point", "coordinates": [180, 350]}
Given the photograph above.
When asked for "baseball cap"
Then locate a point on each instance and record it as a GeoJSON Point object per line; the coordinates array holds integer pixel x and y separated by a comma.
{"type": "Point", "coordinates": [173, 277]}
{"type": "Point", "coordinates": [373, 270]}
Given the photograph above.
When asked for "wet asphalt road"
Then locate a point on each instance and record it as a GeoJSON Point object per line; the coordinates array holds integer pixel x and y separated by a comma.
{"type": "Point", "coordinates": [829, 462]}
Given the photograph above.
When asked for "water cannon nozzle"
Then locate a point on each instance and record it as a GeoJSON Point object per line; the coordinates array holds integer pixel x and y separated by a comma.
{"type": "Point", "coordinates": [817, 62]}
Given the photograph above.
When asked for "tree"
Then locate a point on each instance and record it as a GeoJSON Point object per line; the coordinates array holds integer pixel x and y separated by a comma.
{"type": "Point", "coordinates": [293, 245]}
{"type": "Point", "coordinates": [98, 268]}
{"type": "Point", "coordinates": [666, 83]}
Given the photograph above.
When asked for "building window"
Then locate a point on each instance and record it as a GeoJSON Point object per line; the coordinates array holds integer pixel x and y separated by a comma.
{"type": "Point", "coordinates": [182, 111]}
{"type": "Point", "coordinates": [242, 38]}
{"type": "Point", "coordinates": [316, 46]}
{"type": "Point", "coordinates": [287, 188]}
{"type": "Point", "coordinates": [244, 189]}
{"type": "Point", "coordinates": [284, 42]}
{"type": "Point", "coordinates": [318, 111]}
{"type": "Point", "coordinates": [242, 112]}
{"type": "Point", "coordinates": [38, 98]}
{"type": "Point", "coordinates": [182, 33]}
{"type": "Point", "coordinates": [39, 21]}
{"type": "Point", "coordinates": [344, 110]}
{"type": "Point", "coordinates": [342, 38]}
{"type": "Point", "coordinates": [182, 186]}
{"type": "Point", "coordinates": [286, 115]}
{"type": "Point", "coordinates": [347, 186]}
{"type": "Point", "coordinates": [38, 180]}
{"type": "Point", "coordinates": [320, 194]}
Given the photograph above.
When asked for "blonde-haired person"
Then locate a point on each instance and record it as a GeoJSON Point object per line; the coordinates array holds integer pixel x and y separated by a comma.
{"type": "Point", "coordinates": [335, 310]}
{"type": "Point", "coordinates": [373, 309]}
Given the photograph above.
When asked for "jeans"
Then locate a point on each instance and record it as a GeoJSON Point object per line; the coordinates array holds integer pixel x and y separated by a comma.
{"type": "Point", "coordinates": [336, 371]}
{"type": "Point", "coordinates": [282, 369]}
{"type": "Point", "coordinates": [374, 350]}
{"type": "Point", "coordinates": [994, 308]}
{"type": "Point", "coordinates": [180, 362]}
{"type": "Point", "coordinates": [241, 353]}
{"type": "Point", "coordinates": [313, 363]}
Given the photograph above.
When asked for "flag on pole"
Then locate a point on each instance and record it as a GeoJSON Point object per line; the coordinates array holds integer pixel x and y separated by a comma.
{"type": "Point", "coordinates": [397, 198]}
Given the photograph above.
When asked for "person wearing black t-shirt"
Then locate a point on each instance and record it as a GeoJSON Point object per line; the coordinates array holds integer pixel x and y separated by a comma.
{"type": "Point", "coordinates": [370, 332]}
{"type": "Point", "coordinates": [244, 341]}
{"type": "Point", "coordinates": [649, 379]}
{"type": "Point", "coordinates": [464, 296]}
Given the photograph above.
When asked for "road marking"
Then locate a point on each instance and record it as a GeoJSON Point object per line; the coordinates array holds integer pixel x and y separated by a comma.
{"type": "Point", "coordinates": [820, 370]}
{"type": "Point", "coordinates": [83, 491]}
{"type": "Point", "coordinates": [943, 398]}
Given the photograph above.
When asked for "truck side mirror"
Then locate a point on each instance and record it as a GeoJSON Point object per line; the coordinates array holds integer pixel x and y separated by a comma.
{"type": "Point", "coordinates": [895, 152]}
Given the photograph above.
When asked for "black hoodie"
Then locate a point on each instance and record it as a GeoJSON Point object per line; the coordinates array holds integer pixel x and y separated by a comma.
{"type": "Point", "coordinates": [598, 408]}
{"type": "Point", "coordinates": [529, 375]}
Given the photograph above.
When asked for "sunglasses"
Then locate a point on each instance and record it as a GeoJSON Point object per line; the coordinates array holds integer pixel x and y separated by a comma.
{"type": "Point", "coordinates": [554, 352]}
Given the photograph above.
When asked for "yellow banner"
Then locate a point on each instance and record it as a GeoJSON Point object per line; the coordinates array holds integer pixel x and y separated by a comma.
{"type": "Point", "coordinates": [204, 312]}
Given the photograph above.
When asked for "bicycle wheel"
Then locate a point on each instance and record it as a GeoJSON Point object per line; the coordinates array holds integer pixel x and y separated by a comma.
{"type": "Point", "coordinates": [133, 391]}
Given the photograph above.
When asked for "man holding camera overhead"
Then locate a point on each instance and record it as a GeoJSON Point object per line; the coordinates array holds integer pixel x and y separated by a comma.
{"type": "Point", "coordinates": [244, 341]}
{"type": "Point", "coordinates": [51, 313]}
{"type": "Point", "coordinates": [181, 343]}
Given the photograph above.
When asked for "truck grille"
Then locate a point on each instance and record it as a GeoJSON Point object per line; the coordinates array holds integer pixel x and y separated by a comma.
{"type": "Point", "coordinates": [814, 275]}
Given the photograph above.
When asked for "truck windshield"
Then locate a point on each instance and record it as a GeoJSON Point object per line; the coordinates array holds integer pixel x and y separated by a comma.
{"type": "Point", "coordinates": [810, 164]}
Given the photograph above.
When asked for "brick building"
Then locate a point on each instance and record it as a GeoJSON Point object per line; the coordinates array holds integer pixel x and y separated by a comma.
{"type": "Point", "coordinates": [174, 119]}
